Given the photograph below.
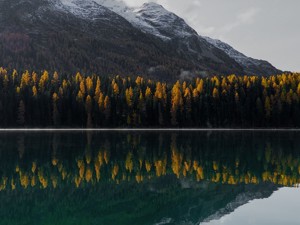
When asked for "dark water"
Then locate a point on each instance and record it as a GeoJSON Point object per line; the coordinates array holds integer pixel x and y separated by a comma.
{"type": "Point", "coordinates": [150, 178]}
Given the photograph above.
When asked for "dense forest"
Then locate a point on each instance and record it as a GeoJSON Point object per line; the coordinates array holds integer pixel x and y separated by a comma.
{"type": "Point", "coordinates": [30, 99]}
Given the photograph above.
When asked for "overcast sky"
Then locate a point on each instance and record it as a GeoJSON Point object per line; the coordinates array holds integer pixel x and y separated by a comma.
{"type": "Point", "coordinates": [262, 29]}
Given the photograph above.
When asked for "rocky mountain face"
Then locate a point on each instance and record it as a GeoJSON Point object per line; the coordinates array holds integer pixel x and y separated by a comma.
{"type": "Point", "coordinates": [107, 37]}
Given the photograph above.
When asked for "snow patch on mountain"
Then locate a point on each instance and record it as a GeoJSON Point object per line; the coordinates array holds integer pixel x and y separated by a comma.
{"type": "Point", "coordinates": [168, 24]}
{"type": "Point", "coordinates": [236, 55]}
{"type": "Point", "coordinates": [81, 8]}
{"type": "Point", "coordinates": [135, 15]}
{"type": "Point", "coordinates": [150, 18]}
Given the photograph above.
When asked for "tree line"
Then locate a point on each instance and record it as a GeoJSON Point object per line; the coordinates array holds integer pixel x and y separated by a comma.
{"type": "Point", "coordinates": [30, 99]}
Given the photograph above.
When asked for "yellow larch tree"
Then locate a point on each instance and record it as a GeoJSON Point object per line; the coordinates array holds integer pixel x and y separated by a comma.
{"type": "Point", "coordinates": [88, 107]}
{"type": "Point", "coordinates": [176, 102]}
{"type": "Point", "coordinates": [129, 96]}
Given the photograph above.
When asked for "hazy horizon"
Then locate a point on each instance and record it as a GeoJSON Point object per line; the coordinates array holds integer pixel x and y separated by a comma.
{"type": "Point", "coordinates": [259, 29]}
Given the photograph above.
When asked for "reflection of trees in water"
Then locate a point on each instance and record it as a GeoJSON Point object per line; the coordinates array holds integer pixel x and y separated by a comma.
{"type": "Point", "coordinates": [53, 160]}
{"type": "Point", "coordinates": [21, 147]}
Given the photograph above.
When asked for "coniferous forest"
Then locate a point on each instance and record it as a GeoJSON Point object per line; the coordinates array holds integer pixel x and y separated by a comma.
{"type": "Point", "coordinates": [30, 99]}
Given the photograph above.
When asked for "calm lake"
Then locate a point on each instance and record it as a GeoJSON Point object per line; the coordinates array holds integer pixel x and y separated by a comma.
{"type": "Point", "coordinates": [155, 178]}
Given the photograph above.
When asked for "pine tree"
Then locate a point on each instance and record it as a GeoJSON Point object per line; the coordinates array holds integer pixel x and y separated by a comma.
{"type": "Point", "coordinates": [268, 107]}
{"type": "Point", "coordinates": [21, 113]}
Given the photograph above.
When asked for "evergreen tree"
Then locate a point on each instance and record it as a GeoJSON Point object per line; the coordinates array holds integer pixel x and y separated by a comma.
{"type": "Point", "coordinates": [21, 113]}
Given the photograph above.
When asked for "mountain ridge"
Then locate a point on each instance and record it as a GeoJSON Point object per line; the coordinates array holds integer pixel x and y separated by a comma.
{"type": "Point", "coordinates": [108, 37]}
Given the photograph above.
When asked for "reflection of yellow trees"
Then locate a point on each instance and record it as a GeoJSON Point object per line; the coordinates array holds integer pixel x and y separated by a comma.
{"type": "Point", "coordinates": [129, 162]}
{"type": "Point", "coordinates": [149, 166]}
{"type": "Point", "coordinates": [33, 168]}
{"type": "Point", "coordinates": [97, 170]}
{"type": "Point", "coordinates": [160, 167]}
{"type": "Point", "coordinates": [3, 183]}
{"type": "Point", "coordinates": [199, 173]}
{"type": "Point", "coordinates": [77, 181]}
{"type": "Point", "coordinates": [115, 171]}
{"type": "Point", "coordinates": [42, 179]}
{"type": "Point", "coordinates": [54, 181]}
{"type": "Point", "coordinates": [24, 178]}
{"type": "Point", "coordinates": [176, 158]}
{"type": "Point", "coordinates": [276, 167]}
{"type": "Point", "coordinates": [13, 184]}
{"type": "Point", "coordinates": [81, 167]}
{"type": "Point", "coordinates": [33, 181]}
{"type": "Point", "coordinates": [139, 178]}
{"type": "Point", "coordinates": [88, 174]}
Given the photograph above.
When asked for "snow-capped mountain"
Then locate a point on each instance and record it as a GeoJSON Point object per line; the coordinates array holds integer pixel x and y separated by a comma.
{"type": "Point", "coordinates": [108, 37]}
{"type": "Point", "coordinates": [81, 8]}
{"type": "Point", "coordinates": [166, 24]}
{"type": "Point", "coordinates": [150, 17]}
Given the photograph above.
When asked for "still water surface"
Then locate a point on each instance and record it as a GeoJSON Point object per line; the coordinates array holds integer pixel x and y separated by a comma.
{"type": "Point", "coordinates": [150, 178]}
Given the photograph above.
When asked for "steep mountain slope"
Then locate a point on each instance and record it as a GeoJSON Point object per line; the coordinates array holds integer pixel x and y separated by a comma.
{"type": "Point", "coordinates": [107, 37]}
{"type": "Point", "coordinates": [250, 65]}
{"type": "Point", "coordinates": [170, 26]}
{"type": "Point", "coordinates": [42, 34]}
{"type": "Point", "coordinates": [155, 20]}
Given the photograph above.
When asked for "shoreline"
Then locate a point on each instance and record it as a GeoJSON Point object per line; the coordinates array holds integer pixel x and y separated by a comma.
{"type": "Point", "coordinates": [149, 129]}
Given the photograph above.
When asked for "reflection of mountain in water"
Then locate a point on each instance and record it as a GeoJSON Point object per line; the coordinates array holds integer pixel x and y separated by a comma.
{"type": "Point", "coordinates": [119, 178]}
{"type": "Point", "coordinates": [151, 202]}
{"type": "Point", "coordinates": [250, 192]}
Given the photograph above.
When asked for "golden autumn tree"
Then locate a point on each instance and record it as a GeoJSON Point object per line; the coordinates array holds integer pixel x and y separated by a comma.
{"type": "Point", "coordinates": [55, 79]}
{"type": "Point", "coordinates": [97, 89]}
{"type": "Point", "coordinates": [129, 96]}
{"type": "Point", "coordinates": [176, 102]}
{"type": "Point", "coordinates": [88, 107]}
{"type": "Point", "coordinates": [116, 89]}
{"type": "Point", "coordinates": [25, 79]}
{"type": "Point", "coordinates": [34, 78]}
{"type": "Point", "coordinates": [82, 87]}
{"type": "Point", "coordinates": [34, 91]}
{"type": "Point", "coordinates": [139, 80]}
{"type": "Point", "coordinates": [200, 86]}
{"type": "Point", "coordinates": [101, 102]}
{"type": "Point", "coordinates": [188, 102]}
{"type": "Point", "coordinates": [89, 85]}
{"type": "Point", "coordinates": [215, 93]}
{"type": "Point", "coordinates": [107, 108]}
